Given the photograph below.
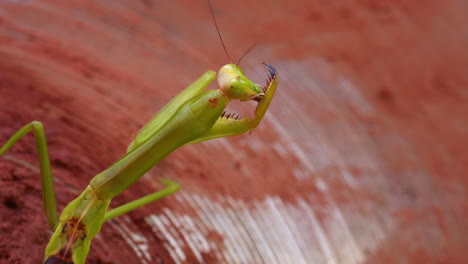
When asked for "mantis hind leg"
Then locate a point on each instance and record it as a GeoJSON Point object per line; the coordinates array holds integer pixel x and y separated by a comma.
{"type": "Point", "coordinates": [48, 191]}
{"type": "Point", "coordinates": [171, 187]}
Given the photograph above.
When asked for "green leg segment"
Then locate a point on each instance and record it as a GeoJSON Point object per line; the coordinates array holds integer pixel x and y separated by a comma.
{"type": "Point", "coordinates": [48, 192]}
{"type": "Point", "coordinates": [171, 187]}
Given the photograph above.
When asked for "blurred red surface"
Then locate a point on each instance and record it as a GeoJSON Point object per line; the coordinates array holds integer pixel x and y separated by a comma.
{"type": "Point", "coordinates": [362, 157]}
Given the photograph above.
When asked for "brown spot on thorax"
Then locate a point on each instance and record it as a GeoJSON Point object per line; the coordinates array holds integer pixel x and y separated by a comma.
{"type": "Point", "coordinates": [213, 102]}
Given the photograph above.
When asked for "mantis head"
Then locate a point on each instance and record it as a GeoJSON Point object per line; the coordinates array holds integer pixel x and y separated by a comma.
{"type": "Point", "coordinates": [235, 85]}
{"type": "Point", "coordinates": [232, 81]}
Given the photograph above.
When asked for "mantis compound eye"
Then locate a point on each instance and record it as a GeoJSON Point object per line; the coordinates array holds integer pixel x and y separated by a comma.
{"type": "Point", "coordinates": [235, 85]}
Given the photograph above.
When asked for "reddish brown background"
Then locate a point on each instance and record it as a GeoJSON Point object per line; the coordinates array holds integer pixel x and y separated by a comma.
{"type": "Point", "coordinates": [363, 155]}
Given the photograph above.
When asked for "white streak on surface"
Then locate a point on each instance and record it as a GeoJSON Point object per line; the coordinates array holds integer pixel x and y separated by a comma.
{"type": "Point", "coordinates": [266, 231]}
{"type": "Point", "coordinates": [328, 256]}
{"type": "Point", "coordinates": [137, 242]}
{"type": "Point", "coordinates": [159, 224]}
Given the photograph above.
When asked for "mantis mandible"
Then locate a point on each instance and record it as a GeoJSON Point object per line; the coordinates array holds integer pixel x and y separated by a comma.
{"type": "Point", "coordinates": [194, 115]}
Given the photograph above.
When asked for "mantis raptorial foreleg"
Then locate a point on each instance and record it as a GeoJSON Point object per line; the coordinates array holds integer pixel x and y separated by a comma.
{"type": "Point", "coordinates": [48, 191]}
{"type": "Point", "coordinates": [231, 126]}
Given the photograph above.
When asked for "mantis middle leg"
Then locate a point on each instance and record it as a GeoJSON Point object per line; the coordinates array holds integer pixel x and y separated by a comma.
{"type": "Point", "coordinates": [171, 187]}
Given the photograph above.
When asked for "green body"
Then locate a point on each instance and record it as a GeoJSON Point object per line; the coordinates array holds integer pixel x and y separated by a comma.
{"type": "Point", "coordinates": [192, 116]}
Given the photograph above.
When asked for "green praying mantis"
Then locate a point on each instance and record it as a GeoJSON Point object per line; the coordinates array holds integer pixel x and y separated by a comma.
{"type": "Point", "coordinates": [194, 115]}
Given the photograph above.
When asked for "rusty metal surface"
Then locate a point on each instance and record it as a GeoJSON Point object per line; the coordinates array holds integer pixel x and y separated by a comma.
{"type": "Point", "coordinates": [361, 159]}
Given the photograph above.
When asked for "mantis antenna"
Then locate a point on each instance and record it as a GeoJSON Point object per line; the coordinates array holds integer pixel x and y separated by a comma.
{"type": "Point", "coordinates": [222, 42]}
{"type": "Point", "coordinates": [246, 52]}
{"type": "Point", "coordinates": [217, 29]}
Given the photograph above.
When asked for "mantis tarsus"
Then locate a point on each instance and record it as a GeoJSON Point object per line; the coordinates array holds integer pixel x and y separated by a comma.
{"type": "Point", "coordinates": [194, 115]}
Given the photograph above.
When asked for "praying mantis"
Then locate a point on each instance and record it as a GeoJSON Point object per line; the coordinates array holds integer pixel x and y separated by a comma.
{"type": "Point", "coordinates": [194, 115]}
